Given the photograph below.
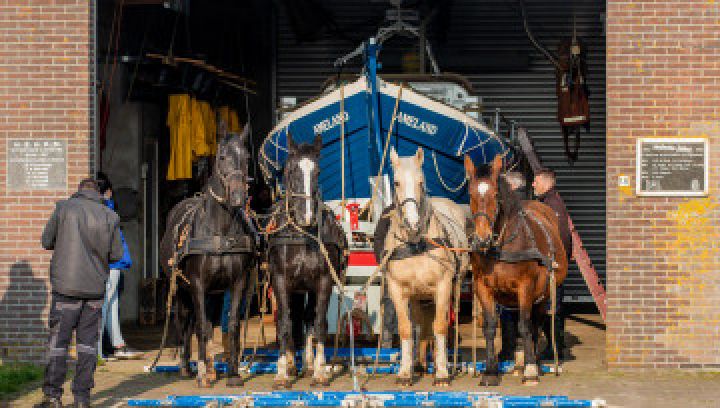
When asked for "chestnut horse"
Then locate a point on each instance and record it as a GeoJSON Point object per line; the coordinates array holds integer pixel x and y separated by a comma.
{"type": "Point", "coordinates": [516, 249]}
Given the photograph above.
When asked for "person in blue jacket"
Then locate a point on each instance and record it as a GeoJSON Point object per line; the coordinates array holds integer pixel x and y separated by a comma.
{"type": "Point", "coordinates": [110, 315]}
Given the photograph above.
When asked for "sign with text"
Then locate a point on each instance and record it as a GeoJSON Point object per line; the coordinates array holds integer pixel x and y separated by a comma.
{"type": "Point", "coordinates": [37, 164]}
{"type": "Point", "coordinates": [672, 167]}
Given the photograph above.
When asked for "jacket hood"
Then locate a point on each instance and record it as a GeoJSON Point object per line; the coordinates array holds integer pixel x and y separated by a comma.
{"type": "Point", "coordinates": [91, 195]}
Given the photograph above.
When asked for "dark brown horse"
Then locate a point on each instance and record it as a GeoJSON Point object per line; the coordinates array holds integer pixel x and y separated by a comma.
{"type": "Point", "coordinates": [217, 253]}
{"type": "Point", "coordinates": [515, 245]}
{"type": "Point", "coordinates": [297, 265]}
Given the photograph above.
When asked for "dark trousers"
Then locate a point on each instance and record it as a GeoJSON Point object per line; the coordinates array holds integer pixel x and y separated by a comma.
{"type": "Point", "coordinates": [68, 315]}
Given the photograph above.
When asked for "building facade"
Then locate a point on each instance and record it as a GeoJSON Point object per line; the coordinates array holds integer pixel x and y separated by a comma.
{"type": "Point", "coordinates": [662, 257]}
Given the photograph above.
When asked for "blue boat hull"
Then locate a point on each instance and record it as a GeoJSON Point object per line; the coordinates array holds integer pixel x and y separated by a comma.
{"type": "Point", "coordinates": [444, 132]}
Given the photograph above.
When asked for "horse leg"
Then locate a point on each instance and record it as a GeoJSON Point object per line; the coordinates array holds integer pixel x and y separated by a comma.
{"type": "Point", "coordinates": [233, 377]}
{"type": "Point", "coordinates": [311, 329]}
{"type": "Point", "coordinates": [201, 323]}
{"type": "Point", "coordinates": [440, 329]}
{"type": "Point", "coordinates": [322, 299]}
{"type": "Point", "coordinates": [491, 376]}
{"type": "Point", "coordinates": [423, 322]}
{"type": "Point", "coordinates": [185, 327]}
{"type": "Point", "coordinates": [284, 329]}
{"type": "Point", "coordinates": [538, 317]}
{"type": "Point", "coordinates": [400, 301]}
{"type": "Point", "coordinates": [525, 303]}
{"type": "Point", "coordinates": [298, 306]}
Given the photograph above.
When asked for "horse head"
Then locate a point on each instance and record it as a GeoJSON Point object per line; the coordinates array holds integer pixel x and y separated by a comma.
{"type": "Point", "coordinates": [301, 180]}
{"type": "Point", "coordinates": [410, 196]}
{"type": "Point", "coordinates": [228, 184]}
{"type": "Point", "coordinates": [484, 204]}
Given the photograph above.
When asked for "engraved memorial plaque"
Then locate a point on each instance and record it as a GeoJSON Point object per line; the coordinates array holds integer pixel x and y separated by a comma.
{"type": "Point", "coordinates": [37, 164]}
{"type": "Point", "coordinates": [672, 167]}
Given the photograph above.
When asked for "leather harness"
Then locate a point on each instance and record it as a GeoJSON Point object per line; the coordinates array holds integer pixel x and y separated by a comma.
{"type": "Point", "coordinates": [410, 249]}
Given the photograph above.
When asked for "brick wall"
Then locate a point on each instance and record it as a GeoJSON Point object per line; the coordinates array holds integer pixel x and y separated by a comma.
{"type": "Point", "coordinates": [45, 93]}
{"type": "Point", "coordinates": [663, 79]}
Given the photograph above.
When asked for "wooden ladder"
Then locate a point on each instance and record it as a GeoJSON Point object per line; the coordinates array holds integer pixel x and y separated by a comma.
{"type": "Point", "coordinates": [579, 253]}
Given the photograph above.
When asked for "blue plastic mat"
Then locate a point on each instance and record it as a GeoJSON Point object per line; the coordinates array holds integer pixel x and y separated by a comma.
{"type": "Point", "coordinates": [373, 399]}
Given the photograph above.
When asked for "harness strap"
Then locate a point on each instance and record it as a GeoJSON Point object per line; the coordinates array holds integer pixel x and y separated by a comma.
{"type": "Point", "coordinates": [219, 245]}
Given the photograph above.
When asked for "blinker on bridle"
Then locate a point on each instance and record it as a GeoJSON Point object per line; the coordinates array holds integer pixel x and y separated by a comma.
{"type": "Point", "coordinates": [224, 181]}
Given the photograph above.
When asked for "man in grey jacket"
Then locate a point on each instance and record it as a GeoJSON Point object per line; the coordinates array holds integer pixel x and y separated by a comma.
{"type": "Point", "coordinates": [84, 235]}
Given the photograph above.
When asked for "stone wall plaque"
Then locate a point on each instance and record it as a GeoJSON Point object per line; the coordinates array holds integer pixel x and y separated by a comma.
{"type": "Point", "coordinates": [37, 164]}
{"type": "Point", "coordinates": [672, 167]}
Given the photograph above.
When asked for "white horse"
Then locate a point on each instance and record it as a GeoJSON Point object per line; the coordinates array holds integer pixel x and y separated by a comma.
{"type": "Point", "coordinates": [421, 267]}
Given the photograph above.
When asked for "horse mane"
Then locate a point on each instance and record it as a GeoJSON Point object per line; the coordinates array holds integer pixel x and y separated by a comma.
{"type": "Point", "coordinates": [508, 201]}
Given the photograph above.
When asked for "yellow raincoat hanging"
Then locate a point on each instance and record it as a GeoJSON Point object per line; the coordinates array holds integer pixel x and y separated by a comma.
{"type": "Point", "coordinates": [179, 122]}
{"type": "Point", "coordinates": [230, 117]}
{"type": "Point", "coordinates": [200, 147]}
{"type": "Point", "coordinates": [210, 122]}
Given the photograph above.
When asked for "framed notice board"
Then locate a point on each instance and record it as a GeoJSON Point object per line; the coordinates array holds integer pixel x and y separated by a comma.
{"type": "Point", "coordinates": [37, 164]}
{"type": "Point", "coordinates": [672, 167]}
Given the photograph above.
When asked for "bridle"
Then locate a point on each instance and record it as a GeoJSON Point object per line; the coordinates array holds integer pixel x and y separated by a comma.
{"type": "Point", "coordinates": [495, 241]}
{"type": "Point", "coordinates": [315, 198]}
{"type": "Point", "coordinates": [423, 213]}
{"type": "Point", "coordinates": [223, 177]}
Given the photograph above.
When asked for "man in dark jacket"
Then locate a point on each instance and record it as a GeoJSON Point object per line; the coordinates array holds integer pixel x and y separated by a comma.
{"type": "Point", "coordinates": [84, 235]}
{"type": "Point", "coordinates": [544, 187]}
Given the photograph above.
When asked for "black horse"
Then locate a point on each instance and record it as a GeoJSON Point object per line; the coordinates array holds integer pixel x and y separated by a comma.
{"type": "Point", "coordinates": [297, 265]}
{"type": "Point", "coordinates": [217, 253]}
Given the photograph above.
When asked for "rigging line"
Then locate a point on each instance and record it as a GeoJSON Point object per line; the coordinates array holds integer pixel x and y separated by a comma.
{"type": "Point", "coordinates": [532, 39]}
{"type": "Point", "coordinates": [437, 171]}
{"type": "Point", "coordinates": [249, 121]}
{"type": "Point", "coordinates": [387, 141]}
{"type": "Point", "coordinates": [342, 148]}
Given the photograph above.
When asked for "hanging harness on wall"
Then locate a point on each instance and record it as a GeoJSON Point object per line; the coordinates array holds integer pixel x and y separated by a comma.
{"type": "Point", "coordinates": [572, 92]}
{"type": "Point", "coordinates": [571, 83]}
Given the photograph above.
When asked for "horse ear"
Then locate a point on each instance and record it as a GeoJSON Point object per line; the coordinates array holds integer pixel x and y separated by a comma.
{"type": "Point", "coordinates": [496, 166]}
{"type": "Point", "coordinates": [419, 156]}
{"type": "Point", "coordinates": [318, 142]}
{"type": "Point", "coordinates": [470, 170]}
{"type": "Point", "coordinates": [244, 134]}
{"type": "Point", "coordinates": [394, 158]}
{"type": "Point", "coordinates": [290, 141]}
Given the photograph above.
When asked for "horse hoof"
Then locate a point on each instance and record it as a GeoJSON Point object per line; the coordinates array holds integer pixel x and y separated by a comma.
{"type": "Point", "coordinates": [441, 382]}
{"type": "Point", "coordinates": [308, 373]}
{"type": "Point", "coordinates": [292, 371]}
{"type": "Point", "coordinates": [281, 385]}
{"type": "Point", "coordinates": [320, 382]}
{"type": "Point", "coordinates": [490, 380]}
{"type": "Point", "coordinates": [530, 381]}
{"type": "Point", "coordinates": [404, 381]}
{"type": "Point", "coordinates": [212, 376]}
{"type": "Point", "coordinates": [234, 382]}
{"type": "Point", "coordinates": [204, 383]}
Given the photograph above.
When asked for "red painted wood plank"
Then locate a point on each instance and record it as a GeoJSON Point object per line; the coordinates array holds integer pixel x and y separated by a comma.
{"type": "Point", "coordinates": [588, 271]}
